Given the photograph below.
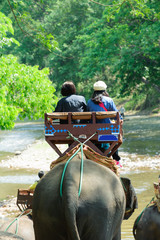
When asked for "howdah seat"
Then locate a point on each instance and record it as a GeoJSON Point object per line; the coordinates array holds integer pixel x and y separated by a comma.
{"type": "Point", "coordinates": [83, 127]}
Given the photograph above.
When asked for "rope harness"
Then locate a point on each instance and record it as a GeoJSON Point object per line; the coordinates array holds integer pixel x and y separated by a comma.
{"type": "Point", "coordinates": [17, 219]}
{"type": "Point", "coordinates": [82, 163]}
{"type": "Point", "coordinates": [139, 217]}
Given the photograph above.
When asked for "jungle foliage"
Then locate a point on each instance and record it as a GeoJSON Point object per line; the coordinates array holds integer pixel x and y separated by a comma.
{"type": "Point", "coordinates": [85, 41]}
{"type": "Point", "coordinates": [25, 91]}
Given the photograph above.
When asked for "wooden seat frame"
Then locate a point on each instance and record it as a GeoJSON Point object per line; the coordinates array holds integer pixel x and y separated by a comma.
{"type": "Point", "coordinates": [24, 199]}
{"type": "Point", "coordinates": [56, 133]}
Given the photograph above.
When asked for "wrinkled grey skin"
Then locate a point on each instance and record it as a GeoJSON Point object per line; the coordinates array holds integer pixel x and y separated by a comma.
{"type": "Point", "coordinates": [131, 198]}
{"type": "Point", "coordinates": [148, 227]}
{"type": "Point", "coordinates": [96, 215]}
{"type": "Point", "coordinates": [25, 228]}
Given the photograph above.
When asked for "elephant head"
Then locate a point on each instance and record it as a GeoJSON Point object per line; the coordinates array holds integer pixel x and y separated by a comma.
{"type": "Point", "coordinates": [147, 224]}
{"type": "Point", "coordinates": [131, 198]}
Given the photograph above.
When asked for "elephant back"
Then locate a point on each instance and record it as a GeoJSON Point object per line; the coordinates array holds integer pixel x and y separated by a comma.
{"type": "Point", "coordinates": [101, 195]}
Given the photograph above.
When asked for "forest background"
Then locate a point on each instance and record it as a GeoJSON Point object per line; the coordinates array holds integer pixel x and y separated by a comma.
{"type": "Point", "coordinates": [81, 41]}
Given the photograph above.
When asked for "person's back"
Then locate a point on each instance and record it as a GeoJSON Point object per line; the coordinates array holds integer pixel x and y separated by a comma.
{"type": "Point", "coordinates": [108, 104]}
{"type": "Point", "coordinates": [70, 102]}
{"type": "Point", "coordinates": [101, 101]}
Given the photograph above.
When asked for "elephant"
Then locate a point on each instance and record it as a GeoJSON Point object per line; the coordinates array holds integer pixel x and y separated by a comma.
{"type": "Point", "coordinates": [147, 225]}
{"type": "Point", "coordinates": [131, 198]}
{"type": "Point", "coordinates": [96, 213]}
{"type": "Point", "coordinates": [24, 227]}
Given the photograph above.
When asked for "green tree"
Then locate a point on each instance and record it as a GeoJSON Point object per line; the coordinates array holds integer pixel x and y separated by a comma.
{"type": "Point", "coordinates": [25, 91]}
{"type": "Point", "coordinates": [5, 28]}
{"type": "Point", "coordinates": [62, 19]}
{"type": "Point", "coordinates": [124, 43]}
{"type": "Point", "coordinates": [27, 18]}
{"type": "Point", "coordinates": [115, 41]}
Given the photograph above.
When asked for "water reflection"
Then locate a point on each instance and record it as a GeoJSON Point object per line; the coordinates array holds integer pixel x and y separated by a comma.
{"type": "Point", "coordinates": [23, 134]}
{"type": "Point", "coordinates": [141, 135]}
{"type": "Point", "coordinates": [24, 179]}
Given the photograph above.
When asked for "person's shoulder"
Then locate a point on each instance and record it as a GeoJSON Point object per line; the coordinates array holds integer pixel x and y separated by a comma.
{"type": "Point", "coordinates": [61, 100]}
{"type": "Point", "coordinates": [105, 98]}
{"type": "Point", "coordinates": [78, 96]}
{"type": "Point", "coordinates": [89, 101]}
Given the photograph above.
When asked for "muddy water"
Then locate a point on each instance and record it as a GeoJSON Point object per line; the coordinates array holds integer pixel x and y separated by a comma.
{"type": "Point", "coordinates": [11, 142]}
{"type": "Point", "coordinates": [143, 184]}
{"type": "Point", "coordinates": [140, 158]}
{"type": "Point", "coordinates": [141, 162]}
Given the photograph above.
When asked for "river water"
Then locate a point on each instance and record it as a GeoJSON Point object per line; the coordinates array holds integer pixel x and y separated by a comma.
{"type": "Point", "coordinates": [140, 158]}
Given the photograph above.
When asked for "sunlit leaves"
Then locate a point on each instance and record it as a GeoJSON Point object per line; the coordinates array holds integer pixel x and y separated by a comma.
{"type": "Point", "coordinates": [25, 92]}
{"type": "Point", "coordinates": [5, 28]}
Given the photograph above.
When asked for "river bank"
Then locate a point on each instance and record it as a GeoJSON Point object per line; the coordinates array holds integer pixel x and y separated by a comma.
{"type": "Point", "coordinates": [38, 155]}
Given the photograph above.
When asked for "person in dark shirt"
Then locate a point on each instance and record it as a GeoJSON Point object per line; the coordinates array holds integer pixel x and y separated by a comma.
{"type": "Point", "coordinates": [70, 102]}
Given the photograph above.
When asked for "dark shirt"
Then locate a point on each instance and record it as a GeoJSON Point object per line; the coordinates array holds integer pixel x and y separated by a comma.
{"type": "Point", "coordinates": [72, 103]}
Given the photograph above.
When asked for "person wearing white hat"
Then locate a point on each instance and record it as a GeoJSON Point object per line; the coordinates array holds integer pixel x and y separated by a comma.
{"type": "Point", "coordinates": [100, 86]}
{"type": "Point", "coordinates": [101, 101]}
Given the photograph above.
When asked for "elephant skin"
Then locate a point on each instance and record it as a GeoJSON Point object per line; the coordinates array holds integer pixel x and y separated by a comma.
{"type": "Point", "coordinates": [25, 228]}
{"type": "Point", "coordinates": [96, 214]}
{"type": "Point", "coordinates": [148, 227]}
{"type": "Point", "coordinates": [131, 198]}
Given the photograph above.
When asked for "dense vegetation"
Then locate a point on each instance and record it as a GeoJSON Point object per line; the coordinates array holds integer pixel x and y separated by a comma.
{"type": "Point", "coordinates": [85, 40]}
{"type": "Point", "coordinates": [25, 91]}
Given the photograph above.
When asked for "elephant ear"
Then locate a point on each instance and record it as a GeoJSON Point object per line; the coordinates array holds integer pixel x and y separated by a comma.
{"type": "Point", "coordinates": [131, 198]}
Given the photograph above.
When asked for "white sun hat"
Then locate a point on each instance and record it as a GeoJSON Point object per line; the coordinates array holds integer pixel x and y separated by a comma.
{"type": "Point", "coordinates": [99, 86]}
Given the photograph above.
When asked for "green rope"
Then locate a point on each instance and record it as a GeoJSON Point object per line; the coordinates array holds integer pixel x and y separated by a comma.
{"type": "Point", "coordinates": [81, 176]}
{"type": "Point", "coordinates": [64, 170]}
{"type": "Point", "coordinates": [16, 219]}
{"type": "Point", "coordinates": [82, 160]}
{"type": "Point", "coordinates": [139, 217]}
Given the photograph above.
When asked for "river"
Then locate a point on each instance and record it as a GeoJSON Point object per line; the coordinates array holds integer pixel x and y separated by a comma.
{"type": "Point", "coordinates": [140, 158]}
